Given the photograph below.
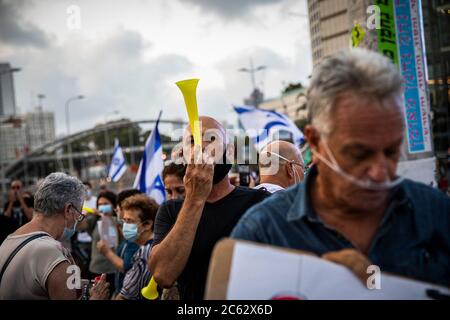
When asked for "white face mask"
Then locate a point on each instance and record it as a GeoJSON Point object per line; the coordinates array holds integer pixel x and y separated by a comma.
{"type": "Point", "coordinates": [296, 174]}
{"type": "Point", "coordinates": [364, 184]}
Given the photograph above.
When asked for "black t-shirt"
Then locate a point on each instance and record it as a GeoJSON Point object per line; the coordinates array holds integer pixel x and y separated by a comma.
{"type": "Point", "coordinates": [19, 217]}
{"type": "Point", "coordinates": [217, 221]}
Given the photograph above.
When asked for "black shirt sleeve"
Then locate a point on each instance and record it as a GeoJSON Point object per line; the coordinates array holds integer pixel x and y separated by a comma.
{"type": "Point", "coordinates": [163, 223]}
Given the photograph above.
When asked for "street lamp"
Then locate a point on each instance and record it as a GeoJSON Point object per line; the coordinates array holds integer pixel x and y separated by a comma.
{"type": "Point", "coordinates": [69, 144]}
{"type": "Point", "coordinates": [40, 97]}
{"type": "Point", "coordinates": [252, 72]}
{"type": "Point", "coordinates": [40, 109]}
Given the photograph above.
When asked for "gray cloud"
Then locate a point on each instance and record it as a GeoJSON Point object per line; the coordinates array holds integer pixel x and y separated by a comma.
{"type": "Point", "coordinates": [17, 32]}
{"type": "Point", "coordinates": [120, 71]}
{"type": "Point", "coordinates": [112, 73]}
{"type": "Point", "coordinates": [231, 8]}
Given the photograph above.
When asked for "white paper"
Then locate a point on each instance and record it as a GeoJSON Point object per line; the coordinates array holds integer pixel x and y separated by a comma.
{"type": "Point", "coordinates": [422, 170]}
{"type": "Point", "coordinates": [108, 232]}
{"type": "Point", "coordinates": [263, 273]}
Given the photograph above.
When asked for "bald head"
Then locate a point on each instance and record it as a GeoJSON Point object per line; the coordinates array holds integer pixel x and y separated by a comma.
{"type": "Point", "coordinates": [283, 148]}
{"type": "Point", "coordinates": [209, 122]}
{"type": "Point", "coordinates": [213, 137]}
{"type": "Point", "coordinates": [281, 163]}
{"type": "Point", "coordinates": [206, 124]}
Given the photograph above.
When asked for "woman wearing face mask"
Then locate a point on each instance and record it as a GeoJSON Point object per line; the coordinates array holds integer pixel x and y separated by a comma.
{"type": "Point", "coordinates": [122, 258]}
{"type": "Point", "coordinates": [104, 225]}
{"type": "Point", "coordinates": [139, 212]}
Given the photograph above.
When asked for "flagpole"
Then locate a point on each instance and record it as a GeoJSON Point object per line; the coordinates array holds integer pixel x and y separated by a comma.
{"type": "Point", "coordinates": [159, 117]}
{"type": "Point", "coordinates": [108, 175]}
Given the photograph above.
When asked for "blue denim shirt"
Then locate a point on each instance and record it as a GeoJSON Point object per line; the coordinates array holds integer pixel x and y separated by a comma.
{"type": "Point", "coordinates": [413, 238]}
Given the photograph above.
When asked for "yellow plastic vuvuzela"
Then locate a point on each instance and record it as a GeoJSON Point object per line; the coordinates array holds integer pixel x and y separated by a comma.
{"type": "Point", "coordinates": [150, 292]}
{"type": "Point", "coordinates": [188, 89]}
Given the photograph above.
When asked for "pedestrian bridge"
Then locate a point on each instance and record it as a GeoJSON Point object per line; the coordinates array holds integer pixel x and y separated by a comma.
{"type": "Point", "coordinates": [90, 148]}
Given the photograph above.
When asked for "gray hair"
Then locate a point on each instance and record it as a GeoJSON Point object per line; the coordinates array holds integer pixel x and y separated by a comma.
{"type": "Point", "coordinates": [361, 71]}
{"type": "Point", "coordinates": [55, 191]}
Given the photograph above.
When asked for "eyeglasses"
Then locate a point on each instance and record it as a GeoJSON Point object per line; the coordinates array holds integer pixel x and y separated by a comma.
{"type": "Point", "coordinates": [80, 216]}
{"type": "Point", "coordinates": [15, 187]}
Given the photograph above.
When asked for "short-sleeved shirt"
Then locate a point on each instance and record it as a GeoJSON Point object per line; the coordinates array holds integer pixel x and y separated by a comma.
{"type": "Point", "coordinates": [26, 276]}
{"type": "Point", "coordinates": [413, 238]}
{"type": "Point", "coordinates": [125, 251]}
{"type": "Point", "coordinates": [216, 222]}
{"type": "Point", "coordinates": [139, 275]}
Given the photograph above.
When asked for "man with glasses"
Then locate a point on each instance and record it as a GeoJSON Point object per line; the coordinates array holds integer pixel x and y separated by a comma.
{"type": "Point", "coordinates": [280, 166]}
{"type": "Point", "coordinates": [33, 263]}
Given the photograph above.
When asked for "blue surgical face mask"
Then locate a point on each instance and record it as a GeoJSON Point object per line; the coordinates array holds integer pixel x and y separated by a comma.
{"type": "Point", "coordinates": [130, 231]}
{"type": "Point", "coordinates": [105, 208]}
{"type": "Point", "coordinates": [68, 233]}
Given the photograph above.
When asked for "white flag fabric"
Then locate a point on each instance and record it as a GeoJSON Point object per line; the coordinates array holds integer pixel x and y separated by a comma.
{"type": "Point", "coordinates": [118, 165]}
{"type": "Point", "coordinates": [148, 179]}
{"type": "Point", "coordinates": [262, 124]}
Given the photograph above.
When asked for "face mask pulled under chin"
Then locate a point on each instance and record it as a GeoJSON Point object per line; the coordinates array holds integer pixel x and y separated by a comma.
{"type": "Point", "coordinates": [363, 184]}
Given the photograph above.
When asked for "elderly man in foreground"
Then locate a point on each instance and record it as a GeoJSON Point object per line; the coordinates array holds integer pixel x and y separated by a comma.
{"type": "Point", "coordinates": [352, 208]}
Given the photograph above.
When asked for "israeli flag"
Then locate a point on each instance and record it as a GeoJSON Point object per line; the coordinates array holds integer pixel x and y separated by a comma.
{"type": "Point", "coordinates": [148, 178]}
{"type": "Point", "coordinates": [118, 165]}
{"type": "Point", "coordinates": [261, 125]}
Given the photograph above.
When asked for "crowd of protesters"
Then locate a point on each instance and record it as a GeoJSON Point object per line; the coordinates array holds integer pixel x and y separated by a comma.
{"type": "Point", "coordinates": [348, 206]}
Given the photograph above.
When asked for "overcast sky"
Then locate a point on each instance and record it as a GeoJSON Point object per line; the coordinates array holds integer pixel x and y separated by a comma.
{"type": "Point", "coordinates": [127, 54]}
